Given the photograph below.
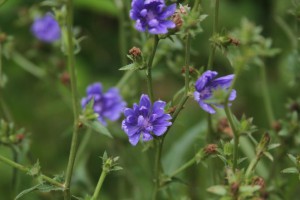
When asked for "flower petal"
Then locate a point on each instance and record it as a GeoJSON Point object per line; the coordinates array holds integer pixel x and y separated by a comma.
{"type": "Point", "coordinates": [204, 79]}
{"type": "Point", "coordinates": [134, 139]}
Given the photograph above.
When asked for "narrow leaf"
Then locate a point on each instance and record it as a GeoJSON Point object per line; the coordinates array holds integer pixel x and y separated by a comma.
{"type": "Point", "coordinates": [291, 170]}
{"type": "Point", "coordinates": [24, 192]}
{"type": "Point", "coordinates": [97, 127]}
{"type": "Point", "coordinates": [218, 190]}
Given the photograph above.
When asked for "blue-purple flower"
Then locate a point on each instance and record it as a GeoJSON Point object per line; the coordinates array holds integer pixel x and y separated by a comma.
{"type": "Point", "coordinates": [206, 84]}
{"type": "Point", "coordinates": [107, 105]}
{"type": "Point", "coordinates": [145, 120]}
{"type": "Point", "coordinates": [151, 16]}
{"type": "Point", "coordinates": [46, 29]}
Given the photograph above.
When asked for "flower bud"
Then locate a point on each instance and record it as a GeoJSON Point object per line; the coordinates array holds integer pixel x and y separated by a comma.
{"type": "Point", "coordinates": [135, 52]}
{"type": "Point", "coordinates": [3, 37]}
{"type": "Point", "coordinates": [210, 149]}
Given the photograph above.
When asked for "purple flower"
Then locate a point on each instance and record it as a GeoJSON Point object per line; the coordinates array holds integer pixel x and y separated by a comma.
{"type": "Point", "coordinates": [206, 84]}
{"type": "Point", "coordinates": [108, 105]}
{"type": "Point", "coordinates": [145, 120]}
{"type": "Point", "coordinates": [152, 15]}
{"type": "Point", "coordinates": [46, 28]}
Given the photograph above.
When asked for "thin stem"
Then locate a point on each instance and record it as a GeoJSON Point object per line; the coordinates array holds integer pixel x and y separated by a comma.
{"type": "Point", "coordinates": [15, 171]}
{"type": "Point", "coordinates": [252, 166]}
{"type": "Point", "coordinates": [26, 169]}
{"type": "Point", "coordinates": [235, 134]}
{"type": "Point", "coordinates": [71, 67]}
{"type": "Point", "coordinates": [122, 34]}
{"type": "Point", "coordinates": [183, 167]}
{"type": "Point", "coordinates": [157, 167]}
{"type": "Point", "coordinates": [124, 79]}
{"type": "Point", "coordinates": [149, 68]}
{"type": "Point", "coordinates": [0, 66]}
{"type": "Point", "coordinates": [99, 185]}
{"type": "Point", "coordinates": [266, 95]}
{"type": "Point", "coordinates": [215, 30]}
{"type": "Point", "coordinates": [187, 63]}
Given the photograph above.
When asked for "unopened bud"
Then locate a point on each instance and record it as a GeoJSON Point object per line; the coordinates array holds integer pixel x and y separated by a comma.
{"type": "Point", "coordinates": [258, 181]}
{"type": "Point", "coordinates": [65, 78]}
{"type": "Point", "coordinates": [263, 144]}
{"type": "Point", "coordinates": [223, 127]}
{"type": "Point", "coordinates": [235, 188]}
{"type": "Point", "coordinates": [276, 126]}
{"type": "Point", "coordinates": [3, 37]}
{"type": "Point", "coordinates": [210, 149]}
{"type": "Point", "coordinates": [135, 52]}
{"type": "Point", "coordinates": [20, 137]}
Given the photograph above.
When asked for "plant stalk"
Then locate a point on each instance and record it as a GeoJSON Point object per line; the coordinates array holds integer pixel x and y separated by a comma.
{"type": "Point", "coordinates": [149, 69]}
{"type": "Point", "coordinates": [99, 185]}
{"type": "Point", "coordinates": [71, 68]}
{"type": "Point", "coordinates": [26, 169]}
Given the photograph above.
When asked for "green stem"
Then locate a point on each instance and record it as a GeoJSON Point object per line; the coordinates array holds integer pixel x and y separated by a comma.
{"type": "Point", "coordinates": [124, 79]}
{"type": "Point", "coordinates": [157, 167]}
{"type": "Point", "coordinates": [122, 34]}
{"type": "Point", "coordinates": [99, 185]}
{"type": "Point", "coordinates": [252, 166]}
{"type": "Point", "coordinates": [183, 167]}
{"type": "Point", "coordinates": [0, 65]}
{"type": "Point", "coordinates": [26, 169]}
{"type": "Point", "coordinates": [149, 68]}
{"type": "Point", "coordinates": [71, 67]}
{"type": "Point", "coordinates": [266, 96]}
{"type": "Point", "coordinates": [215, 30]}
{"type": "Point", "coordinates": [235, 134]}
{"type": "Point", "coordinates": [187, 63]}
{"type": "Point", "coordinates": [15, 171]}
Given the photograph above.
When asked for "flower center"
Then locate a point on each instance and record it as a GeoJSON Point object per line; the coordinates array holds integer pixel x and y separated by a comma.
{"type": "Point", "coordinates": [205, 93]}
{"type": "Point", "coordinates": [144, 124]}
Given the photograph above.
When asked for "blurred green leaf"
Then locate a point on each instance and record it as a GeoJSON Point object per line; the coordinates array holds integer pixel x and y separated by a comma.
{"type": "Point", "coordinates": [24, 192]}
{"type": "Point", "coordinates": [218, 190]}
{"type": "Point", "coordinates": [290, 170]}
{"type": "Point", "coordinates": [97, 127]}
{"type": "Point", "coordinates": [102, 6]}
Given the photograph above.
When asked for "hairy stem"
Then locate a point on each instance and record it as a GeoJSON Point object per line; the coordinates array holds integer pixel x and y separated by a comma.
{"type": "Point", "coordinates": [183, 167]}
{"type": "Point", "coordinates": [149, 68]}
{"type": "Point", "coordinates": [26, 169]}
{"type": "Point", "coordinates": [71, 67]}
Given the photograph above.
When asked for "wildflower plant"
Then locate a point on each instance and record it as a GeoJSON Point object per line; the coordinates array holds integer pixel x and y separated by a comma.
{"type": "Point", "coordinates": [166, 147]}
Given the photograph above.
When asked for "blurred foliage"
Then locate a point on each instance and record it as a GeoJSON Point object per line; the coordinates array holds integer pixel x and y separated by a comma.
{"type": "Point", "coordinates": [36, 96]}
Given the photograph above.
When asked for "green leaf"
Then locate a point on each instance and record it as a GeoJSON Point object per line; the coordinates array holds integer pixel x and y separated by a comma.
{"type": "Point", "coordinates": [35, 169]}
{"type": "Point", "coordinates": [47, 188]}
{"type": "Point", "coordinates": [292, 158]}
{"type": "Point", "coordinates": [130, 67]}
{"type": "Point", "coordinates": [248, 190]}
{"type": "Point", "coordinates": [291, 170]}
{"type": "Point", "coordinates": [24, 192]}
{"type": "Point", "coordinates": [268, 155]}
{"type": "Point", "coordinates": [273, 146]}
{"type": "Point", "coordinates": [97, 127]}
{"type": "Point", "coordinates": [116, 168]}
{"type": "Point", "coordinates": [218, 190]}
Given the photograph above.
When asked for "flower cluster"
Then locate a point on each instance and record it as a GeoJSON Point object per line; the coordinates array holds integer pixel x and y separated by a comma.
{"type": "Point", "coordinates": [145, 120]}
{"type": "Point", "coordinates": [205, 86]}
{"type": "Point", "coordinates": [151, 16]}
{"type": "Point", "coordinates": [46, 29]}
{"type": "Point", "coordinates": [107, 105]}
